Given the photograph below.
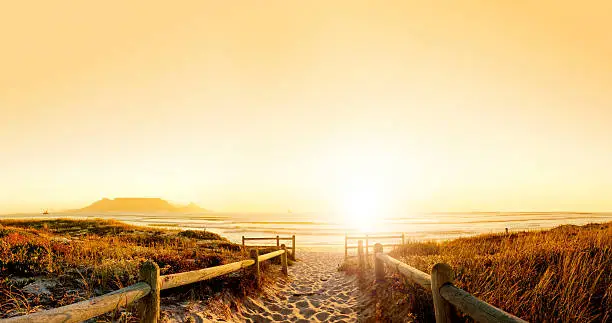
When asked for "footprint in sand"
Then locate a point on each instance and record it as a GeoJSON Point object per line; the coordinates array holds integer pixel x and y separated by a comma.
{"type": "Point", "coordinates": [285, 311]}
{"type": "Point", "coordinates": [316, 291]}
{"type": "Point", "coordinates": [307, 312]}
{"type": "Point", "coordinates": [322, 316]}
{"type": "Point", "coordinates": [301, 304]}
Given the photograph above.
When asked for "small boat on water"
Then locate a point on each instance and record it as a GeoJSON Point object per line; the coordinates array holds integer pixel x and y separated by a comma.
{"type": "Point", "coordinates": [45, 212]}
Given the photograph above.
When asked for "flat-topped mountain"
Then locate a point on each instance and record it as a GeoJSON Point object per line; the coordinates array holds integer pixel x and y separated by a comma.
{"type": "Point", "coordinates": [139, 204]}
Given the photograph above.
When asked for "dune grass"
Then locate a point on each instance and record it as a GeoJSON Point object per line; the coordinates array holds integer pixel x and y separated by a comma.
{"type": "Point", "coordinates": [86, 258]}
{"type": "Point", "coordinates": [559, 275]}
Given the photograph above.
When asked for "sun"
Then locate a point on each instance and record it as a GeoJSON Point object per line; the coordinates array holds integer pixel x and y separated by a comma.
{"type": "Point", "coordinates": [367, 183]}
{"type": "Point", "coordinates": [361, 207]}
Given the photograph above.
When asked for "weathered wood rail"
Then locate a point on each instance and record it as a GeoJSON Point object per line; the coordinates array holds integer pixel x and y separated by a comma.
{"type": "Point", "coordinates": [447, 298]}
{"type": "Point", "coordinates": [278, 240]}
{"type": "Point", "coordinates": [85, 310]}
{"type": "Point", "coordinates": [180, 279]}
{"type": "Point", "coordinates": [147, 291]}
{"type": "Point", "coordinates": [367, 239]}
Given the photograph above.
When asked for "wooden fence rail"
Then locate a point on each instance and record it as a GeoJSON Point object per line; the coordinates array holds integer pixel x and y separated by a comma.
{"type": "Point", "coordinates": [446, 296]}
{"type": "Point", "coordinates": [87, 309]}
{"type": "Point", "coordinates": [367, 239]}
{"type": "Point", "coordinates": [190, 277]}
{"type": "Point", "coordinates": [272, 238]}
{"type": "Point", "coordinates": [147, 291]}
{"type": "Point", "coordinates": [277, 238]}
{"type": "Point", "coordinates": [370, 246]}
{"type": "Point", "coordinates": [407, 271]}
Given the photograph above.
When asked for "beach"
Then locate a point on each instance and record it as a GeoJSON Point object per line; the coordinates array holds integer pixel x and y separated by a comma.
{"type": "Point", "coordinates": [314, 291]}
{"type": "Point", "coordinates": [566, 265]}
{"type": "Point", "coordinates": [326, 231]}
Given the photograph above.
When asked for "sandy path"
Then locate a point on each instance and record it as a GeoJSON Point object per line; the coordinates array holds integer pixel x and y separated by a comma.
{"type": "Point", "coordinates": [314, 291]}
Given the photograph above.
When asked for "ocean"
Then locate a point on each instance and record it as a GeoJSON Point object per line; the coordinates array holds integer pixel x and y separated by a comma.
{"type": "Point", "coordinates": [321, 230]}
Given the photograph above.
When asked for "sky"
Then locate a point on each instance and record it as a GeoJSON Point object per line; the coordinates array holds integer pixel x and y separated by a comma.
{"type": "Point", "coordinates": [393, 106]}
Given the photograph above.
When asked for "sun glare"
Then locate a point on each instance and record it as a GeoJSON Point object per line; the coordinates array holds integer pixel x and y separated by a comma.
{"type": "Point", "coordinates": [364, 186]}
{"type": "Point", "coordinates": [361, 207]}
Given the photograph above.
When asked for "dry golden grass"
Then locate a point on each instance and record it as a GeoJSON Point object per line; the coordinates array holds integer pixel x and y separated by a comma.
{"type": "Point", "coordinates": [92, 257]}
{"type": "Point", "coordinates": [559, 275]}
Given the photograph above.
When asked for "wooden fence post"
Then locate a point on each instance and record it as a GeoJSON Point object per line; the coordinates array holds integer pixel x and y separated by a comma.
{"type": "Point", "coordinates": [149, 305]}
{"type": "Point", "coordinates": [367, 253]}
{"type": "Point", "coordinates": [403, 239]}
{"type": "Point", "coordinates": [360, 255]}
{"type": "Point", "coordinates": [442, 274]}
{"type": "Point", "coordinates": [277, 242]}
{"type": "Point", "coordinates": [284, 259]}
{"type": "Point", "coordinates": [243, 244]}
{"type": "Point", "coordinates": [379, 265]}
{"type": "Point", "coordinates": [293, 253]}
{"type": "Point", "coordinates": [345, 246]}
{"type": "Point", "coordinates": [255, 257]}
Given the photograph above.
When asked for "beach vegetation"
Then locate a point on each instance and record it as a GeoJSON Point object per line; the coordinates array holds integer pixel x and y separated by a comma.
{"type": "Point", "coordinates": [49, 263]}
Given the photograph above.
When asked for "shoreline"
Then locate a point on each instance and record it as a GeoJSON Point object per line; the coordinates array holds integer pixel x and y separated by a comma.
{"type": "Point", "coordinates": [308, 237]}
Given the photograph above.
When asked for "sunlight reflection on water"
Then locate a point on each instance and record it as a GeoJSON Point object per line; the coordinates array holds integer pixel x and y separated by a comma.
{"type": "Point", "coordinates": [321, 229]}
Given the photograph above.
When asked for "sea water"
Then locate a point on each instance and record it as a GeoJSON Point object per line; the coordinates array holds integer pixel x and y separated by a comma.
{"type": "Point", "coordinates": [313, 229]}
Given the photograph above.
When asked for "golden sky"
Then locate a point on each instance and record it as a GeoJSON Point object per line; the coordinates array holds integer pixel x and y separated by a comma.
{"type": "Point", "coordinates": [308, 105]}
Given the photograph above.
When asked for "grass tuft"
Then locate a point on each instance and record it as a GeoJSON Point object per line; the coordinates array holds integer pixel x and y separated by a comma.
{"type": "Point", "coordinates": [87, 258]}
{"type": "Point", "coordinates": [559, 275]}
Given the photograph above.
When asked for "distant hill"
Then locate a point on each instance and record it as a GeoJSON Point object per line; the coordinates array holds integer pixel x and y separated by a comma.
{"type": "Point", "coordinates": [138, 204]}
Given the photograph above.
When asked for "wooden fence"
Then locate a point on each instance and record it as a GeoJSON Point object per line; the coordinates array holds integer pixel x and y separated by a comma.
{"type": "Point", "coordinates": [447, 298]}
{"type": "Point", "coordinates": [147, 291]}
{"type": "Point", "coordinates": [277, 238]}
{"type": "Point", "coordinates": [367, 239]}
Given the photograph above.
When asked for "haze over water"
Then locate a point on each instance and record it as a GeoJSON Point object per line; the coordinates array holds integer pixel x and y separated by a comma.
{"type": "Point", "coordinates": [313, 229]}
{"type": "Point", "coordinates": [308, 105]}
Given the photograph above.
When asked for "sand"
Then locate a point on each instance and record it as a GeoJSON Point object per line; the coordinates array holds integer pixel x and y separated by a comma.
{"type": "Point", "coordinates": [314, 291]}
